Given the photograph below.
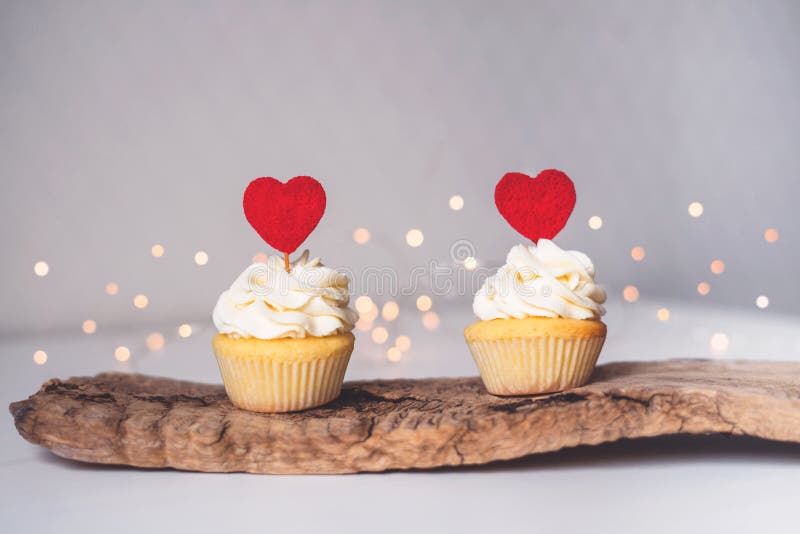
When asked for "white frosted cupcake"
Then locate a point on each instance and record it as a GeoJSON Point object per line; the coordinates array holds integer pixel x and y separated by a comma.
{"type": "Point", "coordinates": [539, 328]}
{"type": "Point", "coordinates": [284, 338]}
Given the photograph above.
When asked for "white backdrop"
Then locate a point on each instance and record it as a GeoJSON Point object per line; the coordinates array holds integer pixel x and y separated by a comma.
{"type": "Point", "coordinates": [126, 124]}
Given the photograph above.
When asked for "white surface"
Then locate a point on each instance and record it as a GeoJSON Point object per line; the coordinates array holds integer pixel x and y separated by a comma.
{"type": "Point", "coordinates": [666, 485]}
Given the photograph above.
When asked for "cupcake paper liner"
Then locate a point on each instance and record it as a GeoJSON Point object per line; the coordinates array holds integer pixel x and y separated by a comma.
{"type": "Point", "coordinates": [542, 364]}
{"type": "Point", "coordinates": [265, 384]}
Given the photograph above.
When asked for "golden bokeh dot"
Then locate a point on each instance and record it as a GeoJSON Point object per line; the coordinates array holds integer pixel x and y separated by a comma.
{"type": "Point", "coordinates": [260, 257]}
{"type": "Point", "coordinates": [470, 264]}
{"type": "Point", "coordinates": [703, 288]}
{"type": "Point", "coordinates": [361, 236]}
{"type": "Point", "coordinates": [380, 335]}
{"type": "Point", "coordinates": [414, 237]}
{"type": "Point", "coordinates": [201, 257]}
{"type": "Point", "coordinates": [637, 253]}
{"type": "Point", "coordinates": [390, 311]}
{"type": "Point", "coordinates": [157, 250]}
{"type": "Point", "coordinates": [663, 314]}
{"type": "Point", "coordinates": [185, 330]}
{"type": "Point", "coordinates": [630, 294]}
{"type": "Point", "coordinates": [595, 222]}
{"type": "Point", "coordinates": [155, 341]}
{"type": "Point", "coordinates": [695, 209]}
{"type": "Point", "coordinates": [89, 326]}
{"type": "Point", "coordinates": [140, 301]}
{"type": "Point", "coordinates": [771, 235]}
{"type": "Point", "coordinates": [719, 343]}
{"type": "Point", "coordinates": [364, 325]}
{"type": "Point", "coordinates": [364, 304]}
{"type": "Point", "coordinates": [430, 320]}
{"type": "Point", "coordinates": [717, 266]}
{"type": "Point", "coordinates": [403, 343]}
{"type": "Point", "coordinates": [394, 354]}
{"type": "Point", "coordinates": [371, 314]}
{"type": "Point", "coordinates": [112, 289]}
{"type": "Point", "coordinates": [40, 357]}
{"type": "Point", "coordinates": [122, 353]}
{"type": "Point", "coordinates": [424, 303]}
{"type": "Point", "coordinates": [762, 301]}
{"type": "Point", "coordinates": [40, 268]}
{"type": "Point", "coordinates": [456, 203]}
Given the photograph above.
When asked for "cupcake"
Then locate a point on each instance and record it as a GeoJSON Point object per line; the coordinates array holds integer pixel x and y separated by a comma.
{"type": "Point", "coordinates": [539, 329]}
{"type": "Point", "coordinates": [284, 338]}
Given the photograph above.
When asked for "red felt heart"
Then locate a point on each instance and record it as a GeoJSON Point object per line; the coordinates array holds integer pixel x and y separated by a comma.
{"type": "Point", "coordinates": [536, 207]}
{"type": "Point", "coordinates": [284, 214]}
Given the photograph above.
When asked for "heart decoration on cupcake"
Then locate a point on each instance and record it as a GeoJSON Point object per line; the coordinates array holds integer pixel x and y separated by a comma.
{"type": "Point", "coordinates": [284, 214]}
{"type": "Point", "coordinates": [536, 207]}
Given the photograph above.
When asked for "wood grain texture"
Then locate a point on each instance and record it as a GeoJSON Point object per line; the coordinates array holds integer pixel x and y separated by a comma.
{"type": "Point", "coordinates": [403, 424]}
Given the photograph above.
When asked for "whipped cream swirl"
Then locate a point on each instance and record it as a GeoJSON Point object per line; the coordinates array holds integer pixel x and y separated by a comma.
{"type": "Point", "coordinates": [541, 281]}
{"type": "Point", "coordinates": [266, 302]}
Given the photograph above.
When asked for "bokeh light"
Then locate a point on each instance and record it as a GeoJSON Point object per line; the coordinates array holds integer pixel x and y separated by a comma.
{"type": "Point", "coordinates": [122, 353]}
{"type": "Point", "coordinates": [717, 267]}
{"type": "Point", "coordinates": [630, 294]}
{"type": "Point", "coordinates": [201, 257]}
{"type": "Point", "coordinates": [380, 335]}
{"type": "Point", "coordinates": [456, 203]}
{"type": "Point", "coordinates": [663, 314]}
{"type": "Point", "coordinates": [703, 288]}
{"type": "Point", "coordinates": [259, 257]}
{"type": "Point", "coordinates": [762, 301]}
{"type": "Point", "coordinates": [430, 320]}
{"type": "Point", "coordinates": [371, 314]}
{"type": "Point", "coordinates": [424, 303]}
{"type": "Point", "coordinates": [40, 357]}
{"type": "Point", "coordinates": [403, 343]}
{"type": "Point", "coordinates": [155, 341]}
{"type": "Point", "coordinates": [470, 264]}
{"type": "Point", "coordinates": [695, 209]}
{"type": "Point", "coordinates": [41, 268]}
{"type": "Point", "coordinates": [390, 311]}
{"type": "Point", "coordinates": [157, 250]}
{"type": "Point", "coordinates": [364, 325]}
{"type": "Point", "coordinates": [185, 330]}
{"type": "Point", "coordinates": [364, 304]}
{"type": "Point", "coordinates": [361, 236]}
{"type": "Point", "coordinates": [637, 253]}
{"type": "Point", "coordinates": [595, 222]}
{"type": "Point", "coordinates": [771, 235]}
{"type": "Point", "coordinates": [414, 237]}
{"type": "Point", "coordinates": [112, 289]}
{"type": "Point", "coordinates": [140, 301]}
{"type": "Point", "coordinates": [89, 326]}
{"type": "Point", "coordinates": [719, 343]}
{"type": "Point", "coordinates": [394, 354]}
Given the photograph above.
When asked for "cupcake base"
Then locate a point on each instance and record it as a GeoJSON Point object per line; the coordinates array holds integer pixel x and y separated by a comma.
{"type": "Point", "coordinates": [282, 375]}
{"type": "Point", "coordinates": [535, 355]}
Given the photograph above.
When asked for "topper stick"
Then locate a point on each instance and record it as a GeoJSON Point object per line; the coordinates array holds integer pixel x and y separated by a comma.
{"type": "Point", "coordinates": [286, 262]}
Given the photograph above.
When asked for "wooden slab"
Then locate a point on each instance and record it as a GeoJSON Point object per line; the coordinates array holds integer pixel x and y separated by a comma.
{"type": "Point", "coordinates": [403, 424]}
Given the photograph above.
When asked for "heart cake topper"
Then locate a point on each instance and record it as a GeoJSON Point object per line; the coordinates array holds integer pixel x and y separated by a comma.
{"type": "Point", "coordinates": [535, 207]}
{"type": "Point", "coordinates": [284, 214]}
